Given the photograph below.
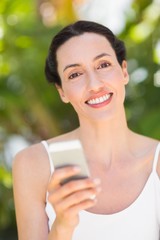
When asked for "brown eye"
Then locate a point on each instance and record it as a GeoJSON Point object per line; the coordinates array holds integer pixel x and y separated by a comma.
{"type": "Point", "coordinates": [74, 75]}
{"type": "Point", "coordinates": [104, 65]}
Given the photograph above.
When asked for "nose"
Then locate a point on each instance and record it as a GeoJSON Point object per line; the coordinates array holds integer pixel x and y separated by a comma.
{"type": "Point", "coordinates": [94, 82]}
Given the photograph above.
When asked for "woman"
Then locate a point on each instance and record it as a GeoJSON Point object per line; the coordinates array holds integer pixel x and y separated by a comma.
{"type": "Point", "coordinates": [121, 199]}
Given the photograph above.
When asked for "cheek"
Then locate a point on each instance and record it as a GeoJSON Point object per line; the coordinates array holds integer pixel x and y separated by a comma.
{"type": "Point", "coordinates": [116, 77]}
{"type": "Point", "coordinates": [73, 93]}
{"type": "Point", "coordinates": [109, 77]}
{"type": "Point", "coordinates": [74, 89]}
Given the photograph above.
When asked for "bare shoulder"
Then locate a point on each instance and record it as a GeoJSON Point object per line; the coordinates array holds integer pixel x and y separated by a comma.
{"type": "Point", "coordinates": [31, 168]}
{"type": "Point", "coordinates": [145, 148]}
{"type": "Point", "coordinates": [32, 164]}
{"type": "Point", "coordinates": [33, 157]}
{"type": "Point", "coordinates": [149, 147]}
{"type": "Point", "coordinates": [153, 148]}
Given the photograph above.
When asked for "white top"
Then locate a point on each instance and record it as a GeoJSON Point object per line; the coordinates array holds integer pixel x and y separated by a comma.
{"type": "Point", "coordinates": [139, 221]}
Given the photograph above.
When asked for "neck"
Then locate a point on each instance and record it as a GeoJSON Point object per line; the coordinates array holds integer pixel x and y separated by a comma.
{"type": "Point", "coordinates": [100, 139]}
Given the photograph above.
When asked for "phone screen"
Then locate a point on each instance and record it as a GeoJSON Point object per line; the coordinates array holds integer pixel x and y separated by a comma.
{"type": "Point", "coordinates": [69, 153]}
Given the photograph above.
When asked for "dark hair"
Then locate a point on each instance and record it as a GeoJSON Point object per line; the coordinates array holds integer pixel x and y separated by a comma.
{"type": "Point", "coordinates": [76, 29]}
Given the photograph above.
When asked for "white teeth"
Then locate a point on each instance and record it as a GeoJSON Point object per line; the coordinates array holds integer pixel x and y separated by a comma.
{"type": "Point", "coordinates": [99, 100]}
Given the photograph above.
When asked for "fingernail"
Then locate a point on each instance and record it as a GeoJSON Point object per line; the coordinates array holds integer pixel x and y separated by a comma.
{"type": "Point", "coordinates": [92, 197]}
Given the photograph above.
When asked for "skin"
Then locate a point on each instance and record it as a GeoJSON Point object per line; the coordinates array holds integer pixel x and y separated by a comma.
{"type": "Point", "coordinates": [89, 70]}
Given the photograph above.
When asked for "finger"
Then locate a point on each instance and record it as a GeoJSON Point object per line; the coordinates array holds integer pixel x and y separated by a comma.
{"type": "Point", "coordinates": [77, 198]}
{"type": "Point", "coordinates": [61, 174]}
{"type": "Point", "coordinates": [73, 187]}
{"type": "Point", "coordinates": [75, 209]}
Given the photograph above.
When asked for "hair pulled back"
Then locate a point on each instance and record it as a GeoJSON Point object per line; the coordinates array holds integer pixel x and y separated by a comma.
{"type": "Point", "coordinates": [76, 29]}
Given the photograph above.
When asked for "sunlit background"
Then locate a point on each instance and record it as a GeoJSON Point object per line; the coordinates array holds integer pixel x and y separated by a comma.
{"type": "Point", "coordinates": [30, 109]}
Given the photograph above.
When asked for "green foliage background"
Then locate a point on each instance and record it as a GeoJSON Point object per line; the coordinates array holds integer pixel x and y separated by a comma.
{"type": "Point", "coordinates": [31, 108]}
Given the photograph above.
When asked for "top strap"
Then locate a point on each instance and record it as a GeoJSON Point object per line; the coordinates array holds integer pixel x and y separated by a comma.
{"type": "Point", "coordinates": [45, 144]}
{"type": "Point", "coordinates": [155, 161]}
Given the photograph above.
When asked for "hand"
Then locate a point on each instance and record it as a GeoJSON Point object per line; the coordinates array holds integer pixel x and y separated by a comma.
{"type": "Point", "coordinates": [68, 199]}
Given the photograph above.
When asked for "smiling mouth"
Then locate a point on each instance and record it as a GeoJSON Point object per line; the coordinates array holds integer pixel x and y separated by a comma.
{"type": "Point", "coordinates": [99, 100]}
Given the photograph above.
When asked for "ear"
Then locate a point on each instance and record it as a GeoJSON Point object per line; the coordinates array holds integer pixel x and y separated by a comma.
{"type": "Point", "coordinates": [125, 72]}
{"type": "Point", "coordinates": [61, 94]}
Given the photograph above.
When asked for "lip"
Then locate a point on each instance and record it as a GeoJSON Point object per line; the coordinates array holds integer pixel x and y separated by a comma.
{"type": "Point", "coordinates": [99, 100]}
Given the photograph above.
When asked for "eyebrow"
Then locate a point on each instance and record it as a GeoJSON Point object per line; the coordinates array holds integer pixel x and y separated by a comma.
{"type": "Point", "coordinates": [101, 55]}
{"type": "Point", "coordinates": [96, 58]}
{"type": "Point", "coordinates": [71, 65]}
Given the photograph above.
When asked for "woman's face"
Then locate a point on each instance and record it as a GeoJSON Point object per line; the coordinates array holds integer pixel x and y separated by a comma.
{"type": "Point", "coordinates": [92, 79]}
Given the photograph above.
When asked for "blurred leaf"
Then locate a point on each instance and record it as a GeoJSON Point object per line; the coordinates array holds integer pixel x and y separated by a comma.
{"type": "Point", "coordinates": [5, 177]}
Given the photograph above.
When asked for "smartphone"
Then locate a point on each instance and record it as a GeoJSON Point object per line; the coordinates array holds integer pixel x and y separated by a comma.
{"type": "Point", "coordinates": [69, 153]}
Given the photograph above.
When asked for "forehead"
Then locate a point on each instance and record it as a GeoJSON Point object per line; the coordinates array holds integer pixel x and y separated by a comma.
{"type": "Point", "coordinates": [79, 47]}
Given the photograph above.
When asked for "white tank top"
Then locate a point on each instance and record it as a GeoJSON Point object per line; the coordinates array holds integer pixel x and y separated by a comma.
{"type": "Point", "coordinates": [139, 221]}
